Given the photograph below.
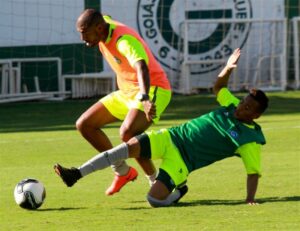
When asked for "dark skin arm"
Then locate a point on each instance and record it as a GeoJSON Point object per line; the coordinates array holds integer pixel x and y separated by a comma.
{"type": "Point", "coordinates": [221, 82]}
{"type": "Point", "coordinates": [223, 77]}
{"type": "Point", "coordinates": [252, 183]}
{"type": "Point", "coordinates": [144, 83]}
{"type": "Point", "coordinates": [143, 76]}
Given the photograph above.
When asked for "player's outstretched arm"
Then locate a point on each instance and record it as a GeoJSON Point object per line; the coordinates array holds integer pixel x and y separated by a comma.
{"type": "Point", "coordinates": [252, 183]}
{"type": "Point", "coordinates": [224, 75]}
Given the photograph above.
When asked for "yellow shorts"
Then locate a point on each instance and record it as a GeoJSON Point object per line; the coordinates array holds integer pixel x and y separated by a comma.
{"type": "Point", "coordinates": [162, 147]}
{"type": "Point", "coordinates": [119, 104]}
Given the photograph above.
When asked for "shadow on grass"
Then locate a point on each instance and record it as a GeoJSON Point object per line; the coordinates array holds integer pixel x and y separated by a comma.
{"type": "Point", "coordinates": [238, 202]}
{"type": "Point", "coordinates": [136, 208]}
{"type": "Point", "coordinates": [221, 202]}
{"type": "Point", "coordinates": [58, 209]}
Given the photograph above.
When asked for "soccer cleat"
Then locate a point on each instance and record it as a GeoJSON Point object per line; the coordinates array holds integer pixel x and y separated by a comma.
{"type": "Point", "coordinates": [120, 181]}
{"type": "Point", "coordinates": [68, 175]}
{"type": "Point", "coordinates": [183, 190]}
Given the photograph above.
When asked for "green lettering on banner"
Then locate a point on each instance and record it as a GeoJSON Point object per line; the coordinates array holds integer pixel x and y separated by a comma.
{"type": "Point", "coordinates": [165, 37]}
{"type": "Point", "coordinates": [292, 8]}
{"type": "Point", "coordinates": [94, 4]}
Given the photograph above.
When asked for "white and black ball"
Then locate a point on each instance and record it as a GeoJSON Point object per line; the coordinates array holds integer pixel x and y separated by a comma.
{"type": "Point", "coordinates": [29, 194]}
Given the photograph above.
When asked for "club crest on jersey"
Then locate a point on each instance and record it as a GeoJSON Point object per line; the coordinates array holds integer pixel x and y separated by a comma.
{"type": "Point", "coordinates": [233, 134]}
{"type": "Point", "coordinates": [118, 61]}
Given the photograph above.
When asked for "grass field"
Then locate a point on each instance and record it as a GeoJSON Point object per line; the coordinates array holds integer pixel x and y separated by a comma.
{"type": "Point", "coordinates": [34, 136]}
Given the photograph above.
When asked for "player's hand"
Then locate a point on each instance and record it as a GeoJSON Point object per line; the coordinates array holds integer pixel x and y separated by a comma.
{"type": "Point", "coordinates": [233, 59]}
{"type": "Point", "coordinates": [149, 109]}
{"type": "Point", "coordinates": [252, 202]}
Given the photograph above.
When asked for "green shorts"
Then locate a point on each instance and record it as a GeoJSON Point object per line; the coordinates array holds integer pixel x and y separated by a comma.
{"type": "Point", "coordinates": [119, 103]}
{"type": "Point", "coordinates": [162, 147]}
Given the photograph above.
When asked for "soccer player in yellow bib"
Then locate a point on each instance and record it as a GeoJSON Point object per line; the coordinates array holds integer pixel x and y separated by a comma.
{"type": "Point", "coordinates": [225, 132]}
{"type": "Point", "coordinates": [143, 91]}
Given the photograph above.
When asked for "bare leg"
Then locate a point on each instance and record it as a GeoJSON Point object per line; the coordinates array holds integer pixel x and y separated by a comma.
{"type": "Point", "coordinates": [159, 191]}
{"type": "Point", "coordinates": [97, 116]}
{"type": "Point", "coordinates": [136, 123]}
{"type": "Point", "coordinates": [89, 124]}
{"type": "Point", "coordinates": [160, 196]}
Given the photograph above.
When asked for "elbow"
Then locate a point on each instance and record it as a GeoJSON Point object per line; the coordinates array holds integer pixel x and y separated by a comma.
{"type": "Point", "coordinates": [253, 175]}
{"type": "Point", "coordinates": [216, 89]}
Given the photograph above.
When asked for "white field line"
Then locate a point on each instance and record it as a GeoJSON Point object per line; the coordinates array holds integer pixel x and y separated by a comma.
{"type": "Point", "coordinates": [281, 128]}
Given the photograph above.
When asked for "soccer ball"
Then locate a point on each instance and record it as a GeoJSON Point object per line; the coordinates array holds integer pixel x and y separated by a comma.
{"type": "Point", "coordinates": [30, 194]}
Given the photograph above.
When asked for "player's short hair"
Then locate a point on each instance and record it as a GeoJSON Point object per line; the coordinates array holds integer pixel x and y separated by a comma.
{"type": "Point", "coordinates": [261, 98]}
{"type": "Point", "coordinates": [91, 17]}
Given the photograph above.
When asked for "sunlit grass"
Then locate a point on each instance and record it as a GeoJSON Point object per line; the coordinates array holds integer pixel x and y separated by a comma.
{"type": "Point", "coordinates": [34, 136]}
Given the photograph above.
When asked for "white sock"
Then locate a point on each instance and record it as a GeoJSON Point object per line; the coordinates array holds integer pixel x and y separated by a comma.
{"type": "Point", "coordinates": [152, 178]}
{"type": "Point", "coordinates": [120, 167]}
{"type": "Point", "coordinates": [104, 159]}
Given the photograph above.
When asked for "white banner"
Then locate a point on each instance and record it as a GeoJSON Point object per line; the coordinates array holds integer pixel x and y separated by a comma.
{"type": "Point", "coordinates": [160, 23]}
{"type": "Point", "coordinates": [39, 22]}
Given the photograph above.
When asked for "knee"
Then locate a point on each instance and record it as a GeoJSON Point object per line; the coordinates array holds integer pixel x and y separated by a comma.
{"type": "Point", "coordinates": [82, 124]}
{"type": "Point", "coordinates": [125, 134]}
{"type": "Point", "coordinates": [79, 124]}
{"type": "Point", "coordinates": [153, 201]}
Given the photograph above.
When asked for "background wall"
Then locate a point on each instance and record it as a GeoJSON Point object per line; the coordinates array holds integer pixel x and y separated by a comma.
{"type": "Point", "coordinates": [33, 28]}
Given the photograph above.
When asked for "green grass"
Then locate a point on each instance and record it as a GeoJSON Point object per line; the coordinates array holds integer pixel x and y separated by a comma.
{"type": "Point", "coordinates": [34, 136]}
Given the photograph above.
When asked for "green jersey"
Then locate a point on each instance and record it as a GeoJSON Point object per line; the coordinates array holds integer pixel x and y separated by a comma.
{"type": "Point", "coordinates": [212, 137]}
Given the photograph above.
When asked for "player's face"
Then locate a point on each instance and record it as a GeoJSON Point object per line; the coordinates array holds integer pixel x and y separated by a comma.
{"type": "Point", "coordinates": [247, 110]}
{"type": "Point", "coordinates": [92, 35]}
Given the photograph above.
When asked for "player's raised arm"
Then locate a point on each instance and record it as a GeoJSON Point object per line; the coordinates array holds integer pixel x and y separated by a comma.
{"type": "Point", "coordinates": [223, 77]}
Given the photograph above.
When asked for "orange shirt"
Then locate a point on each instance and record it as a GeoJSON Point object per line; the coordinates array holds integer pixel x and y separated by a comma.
{"type": "Point", "coordinates": [122, 49]}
